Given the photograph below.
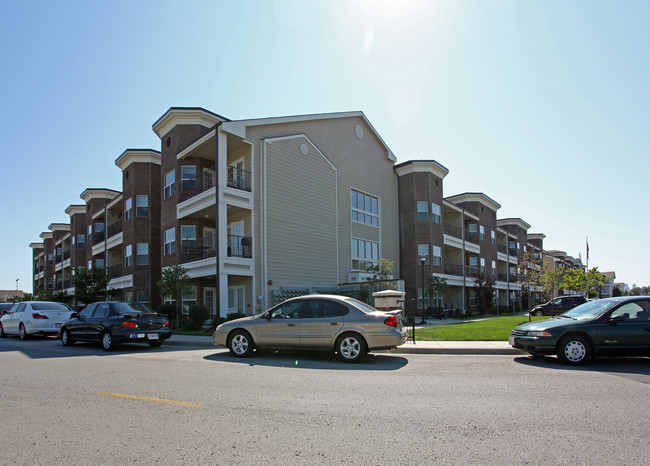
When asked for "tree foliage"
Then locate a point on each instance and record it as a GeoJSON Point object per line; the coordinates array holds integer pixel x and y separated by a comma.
{"type": "Point", "coordinates": [529, 273]}
{"type": "Point", "coordinates": [91, 285]}
{"type": "Point", "coordinates": [437, 287]}
{"type": "Point", "coordinates": [551, 282]}
{"type": "Point", "coordinates": [174, 281]}
{"type": "Point", "coordinates": [484, 288]}
{"type": "Point", "coordinates": [586, 282]}
{"type": "Point", "coordinates": [381, 275]}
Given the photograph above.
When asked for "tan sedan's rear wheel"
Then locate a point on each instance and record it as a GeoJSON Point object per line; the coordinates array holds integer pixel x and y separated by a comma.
{"type": "Point", "coordinates": [350, 347]}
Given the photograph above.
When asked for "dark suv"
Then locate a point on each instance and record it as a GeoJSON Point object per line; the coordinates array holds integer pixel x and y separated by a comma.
{"type": "Point", "coordinates": [558, 305]}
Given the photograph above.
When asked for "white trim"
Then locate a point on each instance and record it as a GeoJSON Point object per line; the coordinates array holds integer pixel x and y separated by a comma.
{"type": "Point", "coordinates": [475, 197]}
{"type": "Point", "coordinates": [422, 166]}
{"type": "Point", "coordinates": [130, 156]}
{"type": "Point", "coordinates": [94, 193]}
{"type": "Point", "coordinates": [75, 209]}
{"type": "Point", "coordinates": [184, 116]}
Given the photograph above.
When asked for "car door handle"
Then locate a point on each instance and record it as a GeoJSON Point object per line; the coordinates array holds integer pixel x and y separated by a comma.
{"type": "Point", "coordinates": [291, 325]}
{"type": "Point", "coordinates": [334, 323]}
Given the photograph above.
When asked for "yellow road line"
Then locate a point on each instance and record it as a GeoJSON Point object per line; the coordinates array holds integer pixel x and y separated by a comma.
{"type": "Point", "coordinates": [148, 398]}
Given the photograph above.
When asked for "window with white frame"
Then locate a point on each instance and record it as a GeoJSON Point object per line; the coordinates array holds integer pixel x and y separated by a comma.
{"type": "Point", "coordinates": [494, 267]}
{"type": "Point", "coordinates": [169, 184]}
{"type": "Point", "coordinates": [493, 237]}
{"type": "Point", "coordinates": [436, 215]}
{"type": "Point", "coordinates": [141, 206]}
{"type": "Point", "coordinates": [142, 297]}
{"type": "Point", "coordinates": [188, 178]}
{"type": "Point", "coordinates": [423, 250]}
{"type": "Point", "coordinates": [364, 254]}
{"type": "Point", "coordinates": [482, 232]}
{"type": "Point", "coordinates": [128, 255]}
{"type": "Point", "coordinates": [99, 263]}
{"type": "Point", "coordinates": [189, 298]}
{"type": "Point", "coordinates": [188, 235]}
{"type": "Point", "coordinates": [169, 242]}
{"type": "Point", "coordinates": [437, 255]}
{"type": "Point", "coordinates": [90, 231]}
{"type": "Point", "coordinates": [128, 296]}
{"type": "Point", "coordinates": [422, 209]}
{"type": "Point", "coordinates": [128, 208]}
{"type": "Point", "coordinates": [142, 254]}
{"type": "Point", "coordinates": [81, 241]}
{"type": "Point", "coordinates": [483, 264]}
{"type": "Point", "coordinates": [364, 208]}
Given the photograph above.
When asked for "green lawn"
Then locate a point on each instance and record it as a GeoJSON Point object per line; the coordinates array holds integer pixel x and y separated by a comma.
{"type": "Point", "coordinates": [492, 329]}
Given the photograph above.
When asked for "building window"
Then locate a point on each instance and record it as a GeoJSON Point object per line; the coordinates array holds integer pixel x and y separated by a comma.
{"type": "Point", "coordinates": [493, 237]}
{"type": "Point", "coordinates": [364, 208]}
{"type": "Point", "coordinates": [142, 297]}
{"type": "Point", "coordinates": [482, 232]}
{"type": "Point", "coordinates": [99, 263]}
{"type": "Point", "coordinates": [188, 179]}
{"type": "Point", "coordinates": [169, 242]}
{"type": "Point", "coordinates": [188, 235]}
{"type": "Point", "coordinates": [49, 282]}
{"type": "Point", "coordinates": [90, 265]}
{"type": "Point", "coordinates": [435, 213]}
{"type": "Point", "coordinates": [482, 264]}
{"type": "Point", "coordinates": [49, 259]}
{"type": "Point", "coordinates": [437, 255]}
{"type": "Point", "coordinates": [90, 231]}
{"type": "Point", "coordinates": [421, 299]}
{"type": "Point", "coordinates": [141, 206]}
{"type": "Point", "coordinates": [142, 254]}
{"type": "Point", "coordinates": [128, 209]}
{"type": "Point", "coordinates": [128, 296]}
{"type": "Point", "coordinates": [170, 184]}
{"type": "Point", "coordinates": [128, 255]}
{"type": "Point", "coordinates": [494, 267]}
{"type": "Point", "coordinates": [81, 241]}
{"type": "Point", "coordinates": [422, 211]}
{"type": "Point", "coordinates": [364, 254]}
{"type": "Point", "coordinates": [189, 298]}
{"type": "Point", "coordinates": [423, 250]}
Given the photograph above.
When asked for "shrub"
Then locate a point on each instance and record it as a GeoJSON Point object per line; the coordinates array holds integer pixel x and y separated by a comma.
{"type": "Point", "coordinates": [234, 315]}
{"type": "Point", "coordinates": [168, 310]}
{"type": "Point", "coordinates": [215, 322]}
{"type": "Point", "coordinates": [198, 315]}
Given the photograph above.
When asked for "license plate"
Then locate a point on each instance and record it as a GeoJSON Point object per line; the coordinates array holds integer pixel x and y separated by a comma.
{"type": "Point", "coordinates": [137, 335]}
{"type": "Point", "coordinates": [152, 336]}
{"type": "Point", "coordinates": [511, 340]}
{"type": "Point", "coordinates": [57, 325]}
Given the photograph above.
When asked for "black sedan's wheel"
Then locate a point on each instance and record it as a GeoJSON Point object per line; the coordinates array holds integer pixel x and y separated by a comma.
{"type": "Point", "coordinates": [107, 341]}
{"type": "Point", "coordinates": [538, 313]}
{"type": "Point", "coordinates": [573, 349]}
{"type": "Point", "coordinates": [22, 333]}
{"type": "Point", "coordinates": [155, 343]}
{"type": "Point", "coordinates": [350, 347]}
{"type": "Point", "coordinates": [2, 331]}
{"type": "Point", "coordinates": [65, 337]}
{"type": "Point", "coordinates": [240, 344]}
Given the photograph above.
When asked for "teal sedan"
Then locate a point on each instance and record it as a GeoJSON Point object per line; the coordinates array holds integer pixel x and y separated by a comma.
{"type": "Point", "coordinates": [605, 327]}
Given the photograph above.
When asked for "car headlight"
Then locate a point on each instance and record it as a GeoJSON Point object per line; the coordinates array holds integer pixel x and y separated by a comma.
{"type": "Point", "coordinates": [219, 327]}
{"type": "Point", "coordinates": [539, 334]}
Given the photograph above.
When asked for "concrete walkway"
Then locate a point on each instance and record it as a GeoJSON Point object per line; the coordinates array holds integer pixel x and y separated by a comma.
{"type": "Point", "coordinates": [419, 347]}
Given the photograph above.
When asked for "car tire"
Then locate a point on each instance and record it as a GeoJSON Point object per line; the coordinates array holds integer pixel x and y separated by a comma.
{"type": "Point", "coordinates": [155, 343]}
{"type": "Point", "coordinates": [240, 344]}
{"type": "Point", "coordinates": [574, 350]}
{"type": "Point", "coordinates": [22, 332]}
{"type": "Point", "coordinates": [2, 332]}
{"type": "Point", "coordinates": [538, 313]}
{"type": "Point", "coordinates": [65, 337]}
{"type": "Point", "coordinates": [351, 347]}
{"type": "Point", "coordinates": [107, 341]}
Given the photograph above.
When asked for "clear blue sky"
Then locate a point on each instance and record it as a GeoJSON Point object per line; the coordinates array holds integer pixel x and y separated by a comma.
{"type": "Point", "coordinates": [542, 105]}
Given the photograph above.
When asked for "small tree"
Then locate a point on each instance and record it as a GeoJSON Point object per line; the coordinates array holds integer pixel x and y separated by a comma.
{"type": "Point", "coordinates": [91, 285]}
{"type": "Point", "coordinates": [594, 280]}
{"type": "Point", "coordinates": [551, 280]}
{"type": "Point", "coordinates": [381, 275]}
{"type": "Point", "coordinates": [529, 273]}
{"type": "Point", "coordinates": [617, 291]}
{"type": "Point", "coordinates": [484, 288]}
{"type": "Point", "coordinates": [174, 281]}
{"type": "Point", "coordinates": [437, 287]}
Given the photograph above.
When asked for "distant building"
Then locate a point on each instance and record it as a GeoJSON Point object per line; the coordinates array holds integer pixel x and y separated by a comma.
{"type": "Point", "coordinates": [9, 295]}
{"type": "Point", "coordinates": [607, 289]}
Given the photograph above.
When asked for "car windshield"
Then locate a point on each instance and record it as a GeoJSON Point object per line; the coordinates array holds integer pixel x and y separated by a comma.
{"type": "Point", "coordinates": [50, 307]}
{"type": "Point", "coordinates": [590, 310]}
{"type": "Point", "coordinates": [133, 308]}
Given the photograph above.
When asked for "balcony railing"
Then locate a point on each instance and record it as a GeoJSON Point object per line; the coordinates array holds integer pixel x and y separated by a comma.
{"type": "Point", "coordinates": [502, 277]}
{"type": "Point", "coordinates": [200, 183]}
{"type": "Point", "coordinates": [58, 258]}
{"type": "Point", "coordinates": [194, 250]}
{"type": "Point", "coordinates": [472, 271]}
{"type": "Point", "coordinates": [67, 284]}
{"type": "Point", "coordinates": [453, 230]}
{"type": "Point", "coordinates": [453, 269]}
{"type": "Point", "coordinates": [239, 178]}
{"type": "Point", "coordinates": [471, 236]}
{"type": "Point", "coordinates": [66, 255]}
{"type": "Point", "coordinates": [240, 246]}
{"type": "Point", "coordinates": [512, 252]}
{"type": "Point", "coordinates": [99, 236]}
{"type": "Point", "coordinates": [502, 248]}
{"type": "Point", "coordinates": [114, 228]}
{"type": "Point", "coordinates": [115, 271]}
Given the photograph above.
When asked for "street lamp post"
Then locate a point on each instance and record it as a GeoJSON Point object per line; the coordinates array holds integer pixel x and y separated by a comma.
{"type": "Point", "coordinates": [423, 259]}
{"type": "Point", "coordinates": [16, 298]}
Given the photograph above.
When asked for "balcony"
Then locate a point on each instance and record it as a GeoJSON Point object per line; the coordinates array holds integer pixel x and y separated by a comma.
{"type": "Point", "coordinates": [512, 252]}
{"type": "Point", "coordinates": [67, 284]}
{"type": "Point", "coordinates": [194, 250]}
{"type": "Point", "coordinates": [472, 270]}
{"type": "Point", "coordinates": [200, 183]}
{"type": "Point", "coordinates": [114, 228]}
{"type": "Point", "coordinates": [471, 236]}
{"type": "Point", "coordinates": [239, 178]}
{"type": "Point", "coordinates": [66, 255]}
{"type": "Point", "coordinates": [502, 249]}
{"type": "Point", "coordinates": [240, 246]}
{"type": "Point", "coordinates": [99, 236]}
{"type": "Point", "coordinates": [115, 271]}
{"type": "Point", "coordinates": [453, 269]}
{"type": "Point", "coordinates": [58, 258]}
{"type": "Point", "coordinates": [502, 277]}
{"type": "Point", "coordinates": [453, 230]}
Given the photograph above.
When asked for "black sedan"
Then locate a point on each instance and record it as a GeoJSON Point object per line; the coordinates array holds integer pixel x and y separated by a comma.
{"type": "Point", "coordinates": [611, 327]}
{"type": "Point", "coordinates": [115, 322]}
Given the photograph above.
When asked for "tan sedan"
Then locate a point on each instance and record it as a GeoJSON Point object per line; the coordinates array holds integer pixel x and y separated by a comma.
{"type": "Point", "coordinates": [345, 325]}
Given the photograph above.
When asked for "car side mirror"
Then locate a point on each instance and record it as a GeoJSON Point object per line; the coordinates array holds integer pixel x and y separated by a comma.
{"type": "Point", "coordinates": [73, 315]}
{"type": "Point", "coordinates": [616, 319]}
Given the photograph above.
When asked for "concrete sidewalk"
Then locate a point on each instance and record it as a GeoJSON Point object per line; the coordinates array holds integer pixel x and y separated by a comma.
{"type": "Point", "coordinates": [419, 347]}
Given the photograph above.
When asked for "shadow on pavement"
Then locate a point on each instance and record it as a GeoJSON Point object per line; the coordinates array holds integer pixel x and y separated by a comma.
{"type": "Point", "coordinates": [312, 360]}
{"type": "Point", "coordinates": [616, 366]}
{"type": "Point", "coordinates": [47, 347]}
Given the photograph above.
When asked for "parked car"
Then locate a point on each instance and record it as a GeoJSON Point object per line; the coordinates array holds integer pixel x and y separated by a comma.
{"type": "Point", "coordinates": [612, 327]}
{"type": "Point", "coordinates": [34, 317]}
{"type": "Point", "coordinates": [115, 322]}
{"type": "Point", "coordinates": [558, 305]}
{"type": "Point", "coordinates": [345, 325]}
{"type": "Point", "coordinates": [4, 308]}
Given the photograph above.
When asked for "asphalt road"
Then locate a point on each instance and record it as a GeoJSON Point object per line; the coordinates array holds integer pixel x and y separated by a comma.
{"type": "Point", "coordinates": [184, 405]}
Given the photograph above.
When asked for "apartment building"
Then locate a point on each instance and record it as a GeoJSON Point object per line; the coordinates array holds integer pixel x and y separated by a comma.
{"type": "Point", "coordinates": [253, 207]}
